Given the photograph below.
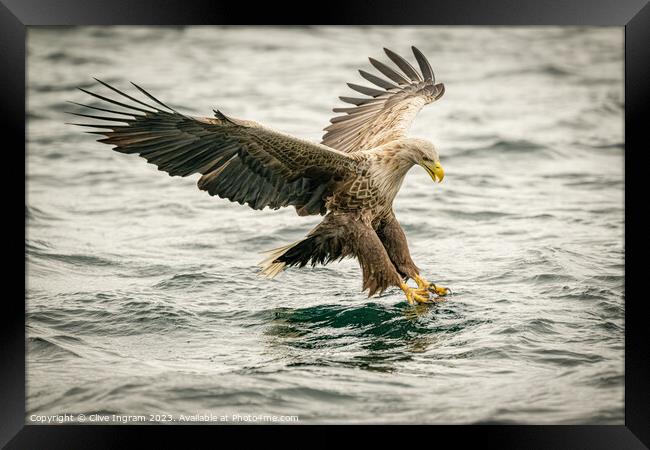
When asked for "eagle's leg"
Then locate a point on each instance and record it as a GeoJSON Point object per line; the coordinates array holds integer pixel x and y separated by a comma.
{"type": "Point", "coordinates": [379, 273]}
{"type": "Point", "coordinates": [394, 240]}
{"type": "Point", "coordinates": [337, 236]}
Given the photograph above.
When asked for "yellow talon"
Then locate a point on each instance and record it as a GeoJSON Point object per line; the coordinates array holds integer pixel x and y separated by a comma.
{"type": "Point", "coordinates": [422, 283]}
{"type": "Point", "coordinates": [413, 295]}
{"type": "Point", "coordinates": [440, 290]}
{"type": "Point", "coordinates": [430, 287]}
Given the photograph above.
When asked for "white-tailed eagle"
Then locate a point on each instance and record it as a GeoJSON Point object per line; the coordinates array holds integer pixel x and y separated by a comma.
{"type": "Point", "coordinates": [351, 177]}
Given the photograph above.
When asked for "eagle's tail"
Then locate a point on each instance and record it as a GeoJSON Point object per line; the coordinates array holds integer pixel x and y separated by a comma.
{"type": "Point", "coordinates": [272, 264]}
{"type": "Point", "coordinates": [325, 243]}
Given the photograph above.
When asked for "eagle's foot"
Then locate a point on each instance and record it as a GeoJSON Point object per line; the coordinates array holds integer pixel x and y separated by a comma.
{"type": "Point", "coordinates": [413, 295]}
{"type": "Point", "coordinates": [423, 284]}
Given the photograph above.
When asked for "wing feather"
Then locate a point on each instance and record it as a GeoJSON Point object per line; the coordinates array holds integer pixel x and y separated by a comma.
{"type": "Point", "coordinates": [403, 64]}
{"type": "Point", "coordinates": [372, 92]}
{"type": "Point", "coordinates": [425, 67]}
{"type": "Point", "coordinates": [390, 73]}
{"type": "Point", "coordinates": [385, 115]}
{"type": "Point", "coordinates": [374, 79]}
{"type": "Point", "coordinates": [240, 160]}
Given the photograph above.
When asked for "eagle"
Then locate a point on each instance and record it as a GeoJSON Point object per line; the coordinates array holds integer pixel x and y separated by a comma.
{"type": "Point", "coordinates": [351, 177]}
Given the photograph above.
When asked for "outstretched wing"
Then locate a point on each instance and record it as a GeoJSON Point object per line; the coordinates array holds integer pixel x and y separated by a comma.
{"type": "Point", "coordinates": [387, 113]}
{"type": "Point", "coordinates": [239, 160]}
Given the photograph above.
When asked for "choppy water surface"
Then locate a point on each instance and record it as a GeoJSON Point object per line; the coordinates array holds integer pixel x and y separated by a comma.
{"type": "Point", "coordinates": [142, 290]}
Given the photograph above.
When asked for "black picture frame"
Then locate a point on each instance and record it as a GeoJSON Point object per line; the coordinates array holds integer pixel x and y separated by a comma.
{"type": "Point", "coordinates": [634, 15]}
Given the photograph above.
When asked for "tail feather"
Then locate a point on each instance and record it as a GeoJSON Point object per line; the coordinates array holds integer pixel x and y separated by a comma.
{"type": "Point", "coordinates": [337, 237]}
{"type": "Point", "coordinates": [322, 245]}
{"type": "Point", "coordinates": [270, 265]}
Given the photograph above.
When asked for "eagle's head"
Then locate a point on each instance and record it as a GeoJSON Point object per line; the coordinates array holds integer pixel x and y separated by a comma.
{"type": "Point", "coordinates": [424, 153]}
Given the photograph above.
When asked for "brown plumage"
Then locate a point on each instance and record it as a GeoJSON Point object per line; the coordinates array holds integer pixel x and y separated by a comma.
{"type": "Point", "coordinates": [352, 177]}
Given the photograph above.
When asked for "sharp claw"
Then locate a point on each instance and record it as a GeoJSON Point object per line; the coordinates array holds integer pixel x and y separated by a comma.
{"type": "Point", "coordinates": [439, 291]}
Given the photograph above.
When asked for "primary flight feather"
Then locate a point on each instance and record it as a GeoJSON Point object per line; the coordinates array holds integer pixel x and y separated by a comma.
{"type": "Point", "coordinates": [351, 177]}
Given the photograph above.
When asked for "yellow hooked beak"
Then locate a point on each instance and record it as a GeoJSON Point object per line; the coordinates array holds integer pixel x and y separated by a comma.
{"type": "Point", "coordinates": [434, 169]}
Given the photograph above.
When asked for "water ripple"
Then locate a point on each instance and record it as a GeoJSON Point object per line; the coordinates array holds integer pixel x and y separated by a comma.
{"type": "Point", "coordinates": [142, 294]}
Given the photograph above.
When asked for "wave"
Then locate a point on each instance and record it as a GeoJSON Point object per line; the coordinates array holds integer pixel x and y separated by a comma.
{"type": "Point", "coordinates": [37, 253]}
{"type": "Point", "coordinates": [38, 215]}
{"type": "Point", "coordinates": [475, 215]}
{"type": "Point", "coordinates": [43, 348]}
{"type": "Point", "coordinates": [182, 322]}
{"type": "Point", "coordinates": [63, 88]}
{"type": "Point", "coordinates": [190, 281]}
{"type": "Point", "coordinates": [552, 70]}
{"type": "Point", "coordinates": [566, 358]}
{"type": "Point", "coordinates": [71, 58]}
{"type": "Point", "coordinates": [373, 326]}
{"type": "Point", "coordinates": [502, 146]}
{"type": "Point", "coordinates": [112, 314]}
